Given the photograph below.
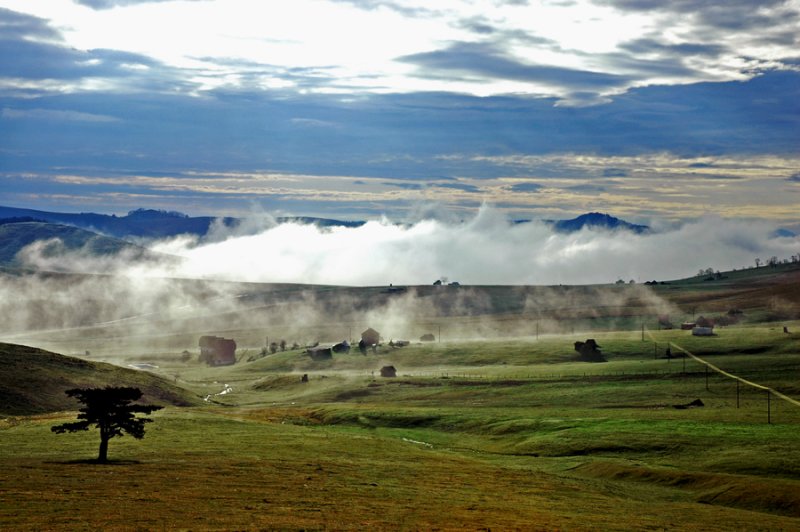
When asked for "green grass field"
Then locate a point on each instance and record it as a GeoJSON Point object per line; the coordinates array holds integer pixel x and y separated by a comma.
{"type": "Point", "coordinates": [499, 426]}
{"type": "Point", "coordinates": [507, 434]}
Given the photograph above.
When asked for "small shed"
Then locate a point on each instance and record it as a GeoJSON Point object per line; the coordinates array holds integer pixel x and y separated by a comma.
{"type": "Point", "coordinates": [688, 325]}
{"type": "Point", "coordinates": [342, 347]}
{"type": "Point", "coordinates": [320, 353]}
{"type": "Point", "coordinates": [371, 337]}
{"type": "Point", "coordinates": [388, 371]}
{"type": "Point", "coordinates": [703, 331]}
{"type": "Point", "coordinates": [217, 351]}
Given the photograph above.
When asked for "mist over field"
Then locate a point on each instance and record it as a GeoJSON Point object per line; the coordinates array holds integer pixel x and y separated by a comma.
{"type": "Point", "coordinates": [486, 249]}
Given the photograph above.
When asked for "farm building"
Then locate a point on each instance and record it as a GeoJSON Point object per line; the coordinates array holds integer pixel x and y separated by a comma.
{"type": "Point", "coordinates": [217, 351]}
{"type": "Point", "coordinates": [703, 331]}
{"type": "Point", "coordinates": [320, 353]}
{"type": "Point", "coordinates": [589, 351]}
{"type": "Point", "coordinates": [371, 337]}
{"type": "Point", "coordinates": [342, 347]}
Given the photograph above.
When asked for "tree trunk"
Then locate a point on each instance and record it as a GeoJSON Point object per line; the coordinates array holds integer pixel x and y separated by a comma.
{"type": "Point", "coordinates": [103, 455]}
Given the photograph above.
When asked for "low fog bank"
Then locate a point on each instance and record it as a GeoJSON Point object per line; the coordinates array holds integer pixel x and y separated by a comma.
{"type": "Point", "coordinates": [121, 301]}
{"type": "Point", "coordinates": [488, 249]}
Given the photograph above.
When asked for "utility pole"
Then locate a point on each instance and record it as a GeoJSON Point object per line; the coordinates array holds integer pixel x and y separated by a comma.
{"type": "Point", "coordinates": [769, 413]}
{"type": "Point", "coordinates": [737, 393]}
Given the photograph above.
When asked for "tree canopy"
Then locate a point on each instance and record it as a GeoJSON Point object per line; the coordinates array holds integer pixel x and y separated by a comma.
{"type": "Point", "coordinates": [111, 410]}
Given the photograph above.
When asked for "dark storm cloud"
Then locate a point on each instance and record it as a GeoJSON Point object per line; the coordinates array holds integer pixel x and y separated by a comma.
{"type": "Point", "coordinates": [488, 60]}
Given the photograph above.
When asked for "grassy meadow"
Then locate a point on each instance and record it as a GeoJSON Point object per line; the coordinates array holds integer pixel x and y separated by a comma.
{"type": "Point", "coordinates": [506, 434]}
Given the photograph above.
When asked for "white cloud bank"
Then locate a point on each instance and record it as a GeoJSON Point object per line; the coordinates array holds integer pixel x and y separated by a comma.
{"type": "Point", "coordinates": [488, 249]}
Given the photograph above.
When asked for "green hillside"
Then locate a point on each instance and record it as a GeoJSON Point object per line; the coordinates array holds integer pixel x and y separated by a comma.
{"type": "Point", "coordinates": [16, 236]}
{"type": "Point", "coordinates": [34, 381]}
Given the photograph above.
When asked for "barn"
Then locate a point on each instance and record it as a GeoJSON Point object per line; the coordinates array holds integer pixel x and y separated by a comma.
{"type": "Point", "coordinates": [371, 337]}
{"type": "Point", "coordinates": [217, 351]}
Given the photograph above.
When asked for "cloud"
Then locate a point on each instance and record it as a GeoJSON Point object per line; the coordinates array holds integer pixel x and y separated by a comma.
{"type": "Point", "coordinates": [526, 187]}
{"type": "Point", "coordinates": [110, 4]}
{"type": "Point", "coordinates": [487, 60]}
{"type": "Point", "coordinates": [457, 186]}
{"type": "Point", "coordinates": [15, 26]}
{"type": "Point", "coordinates": [56, 114]}
{"type": "Point", "coordinates": [487, 248]}
{"type": "Point", "coordinates": [614, 172]}
{"type": "Point", "coordinates": [405, 186]}
{"type": "Point", "coordinates": [736, 15]}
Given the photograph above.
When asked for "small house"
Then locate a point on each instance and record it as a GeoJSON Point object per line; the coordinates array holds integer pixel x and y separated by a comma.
{"type": "Point", "coordinates": [703, 331]}
{"type": "Point", "coordinates": [320, 353]}
{"type": "Point", "coordinates": [371, 337]}
{"type": "Point", "coordinates": [388, 371]}
{"type": "Point", "coordinates": [342, 347]}
{"type": "Point", "coordinates": [688, 325]}
{"type": "Point", "coordinates": [217, 351]}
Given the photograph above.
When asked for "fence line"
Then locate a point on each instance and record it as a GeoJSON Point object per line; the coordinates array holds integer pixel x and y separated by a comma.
{"type": "Point", "coordinates": [736, 377]}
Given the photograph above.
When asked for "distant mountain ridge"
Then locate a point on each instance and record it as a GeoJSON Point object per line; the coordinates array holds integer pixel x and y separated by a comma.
{"type": "Point", "coordinates": [156, 224]}
{"type": "Point", "coordinates": [151, 223]}
{"type": "Point", "coordinates": [596, 220]}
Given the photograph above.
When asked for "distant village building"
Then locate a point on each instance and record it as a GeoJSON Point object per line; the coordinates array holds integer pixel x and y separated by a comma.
{"type": "Point", "coordinates": [341, 347]}
{"type": "Point", "coordinates": [217, 351]}
{"type": "Point", "coordinates": [320, 353]}
{"type": "Point", "coordinates": [688, 325]}
{"type": "Point", "coordinates": [427, 337]}
{"type": "Point", "coordinates": [703, 331]}
{"type": "Point", "coordinates": [589, 351]}
{"type": "Point", "coordinates": [371, 337]}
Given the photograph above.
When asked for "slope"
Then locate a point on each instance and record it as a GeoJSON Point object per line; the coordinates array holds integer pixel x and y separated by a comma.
{"type": "Point", "coordinates": [34, 381]}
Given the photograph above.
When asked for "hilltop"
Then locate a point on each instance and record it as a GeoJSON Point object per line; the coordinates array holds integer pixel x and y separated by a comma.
{"type": "Point", "coordinates": [15, 235]}
{"type": "Point", "coordinates": [152, 223]}
{"type": "Point", "coordinates": [34, 381]}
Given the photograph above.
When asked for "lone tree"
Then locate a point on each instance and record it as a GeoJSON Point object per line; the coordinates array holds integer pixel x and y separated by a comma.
{"type": "Point", "coordinates": [109, 409]}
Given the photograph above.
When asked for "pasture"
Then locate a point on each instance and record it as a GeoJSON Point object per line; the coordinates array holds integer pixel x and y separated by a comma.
{"type": "Point", "coordinates": [511, 433]}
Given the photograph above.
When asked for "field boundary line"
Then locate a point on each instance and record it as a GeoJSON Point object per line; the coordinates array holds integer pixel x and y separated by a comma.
{"type": "Point", "coordinates": [735, 377]}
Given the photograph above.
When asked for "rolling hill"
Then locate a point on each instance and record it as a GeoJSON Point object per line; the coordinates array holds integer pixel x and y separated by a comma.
{"type": "Point", "coordinates": [150, 223]}
{"type": "Point", "coordinates": [34, 381]}
{"type": "Point", "coordinates": [16, 235]}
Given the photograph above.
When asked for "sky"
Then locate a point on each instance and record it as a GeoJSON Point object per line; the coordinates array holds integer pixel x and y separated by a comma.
{"type": "Point", "coordinates": [655, 112]}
